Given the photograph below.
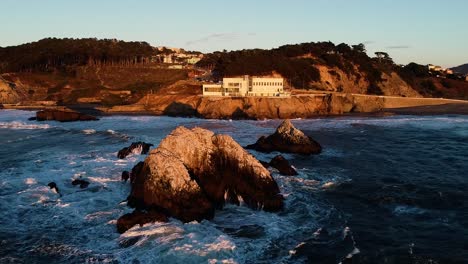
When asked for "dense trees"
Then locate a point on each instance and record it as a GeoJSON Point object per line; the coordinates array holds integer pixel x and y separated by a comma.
{"type": "Point", "coordinates": [52, 53]}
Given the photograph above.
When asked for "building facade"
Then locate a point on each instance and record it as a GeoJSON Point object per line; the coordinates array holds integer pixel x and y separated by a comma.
{"type": "Point", "coordinates": [246, 86]}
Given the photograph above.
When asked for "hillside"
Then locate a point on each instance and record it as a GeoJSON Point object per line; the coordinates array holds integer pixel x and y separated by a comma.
{"type": "Point", "coordinates": [461, 69]}
{"type": "Point", "coordinates": [325, 66]}
{"type": "Point", "coordinates": [82, 71]}
{"type": "Point", "coordinates": [110, 72]}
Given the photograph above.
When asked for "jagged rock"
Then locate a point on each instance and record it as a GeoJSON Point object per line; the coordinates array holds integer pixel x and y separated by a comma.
{"type": "Point", "coordinates": [82, 183]}
{"type": "Point", "coordinates": [135, 148]}
{"type": "Point", "coordinates": [125, 176]}
{"type": "Point", "coordinates": [63, 116]}
{"type": "Point", "coordinates": [136, 217]}
{"type": "Point", "coordinates": [288, 139]}
{"type": "Point", "coordinates": [193, 172]}
{"type": "Point", "coordinates": [283, 166]}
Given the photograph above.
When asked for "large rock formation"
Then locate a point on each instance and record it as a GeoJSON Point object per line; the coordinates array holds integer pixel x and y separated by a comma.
{"type": "Point", "coordinates": [63, 116]}
{"type": "Point", "coordinates": [135, 148]}
{"type": "Point", "coordinates": [193, 172]}
{"type": "Point", "coordinates": [288, 139]}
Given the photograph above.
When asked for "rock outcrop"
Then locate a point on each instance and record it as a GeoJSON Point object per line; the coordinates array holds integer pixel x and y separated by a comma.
{"type": "Point", "coordinates": [287, 139]}
{"type": "Point", "coordinates": [8, 93]}
{"type": "Point", "coordinates": [63, 116]}
{"type": "Point", "coordinates": [127, 221]}
{"type": "Point", "coordinates": [193, 172]}
{"type": "Point", "coordinates": [283, 166]}
{"type": "Point", "coordinates": [139, 148]}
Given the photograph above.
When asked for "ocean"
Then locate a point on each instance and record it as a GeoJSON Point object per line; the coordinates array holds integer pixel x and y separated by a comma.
{"type": "Point", "coordinates": [384, 190]}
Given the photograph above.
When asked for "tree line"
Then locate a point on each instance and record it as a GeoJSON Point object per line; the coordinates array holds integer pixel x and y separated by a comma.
{"type": "Point", "coordinates": [53, 53]}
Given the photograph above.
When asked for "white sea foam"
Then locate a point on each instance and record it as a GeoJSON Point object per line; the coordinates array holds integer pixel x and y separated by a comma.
{"type": "Point", "coordinates": [89, 131]}
{"type": "Point", "coordinates": [22, 125]}
{"type": "Point", "coordinates": [30, 181]}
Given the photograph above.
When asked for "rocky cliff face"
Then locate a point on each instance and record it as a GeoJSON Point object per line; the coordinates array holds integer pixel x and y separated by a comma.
{"type": "Point", "coordinates": [193, 172]}
{"type": "Point", "coordinates": [8, 94]}
{"type": "Point", "coordinates": [304, 106]}
{"type": "Point", "coordinates": [334, 79]}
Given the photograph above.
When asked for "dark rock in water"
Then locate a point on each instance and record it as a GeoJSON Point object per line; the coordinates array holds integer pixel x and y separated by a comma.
{"type": "Point", "coordinates": [1, 106]}
{"type": "Point", "coordinates": [265, 164]}
{"type": "Point", "coordinates": [32, 118]}
{"type": "Point", "coordinates": [191, 172]}
{"type": "Point", "coordinates": [287, 139]}
{"type": "Point", "coordinates": [127, 221]}
{"type": "Point", "coordinates": [135, 148]}
{"type": "Point", "coordinates": [63, 116]}
{"type": "Point", "coordinates": [53, 186]}
{"type": "Point", "coordinates": [283, 166]}
{"type": "Point", "coordinates": [83, 184]}
{"type": "Point", "coordinates": [136, 170]}
{"type": "Point", "coordinates": [125, 176]}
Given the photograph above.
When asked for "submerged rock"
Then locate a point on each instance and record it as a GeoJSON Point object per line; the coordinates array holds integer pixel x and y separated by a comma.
{"type": "Point", "coordinates": [135, 148]}
{"type": "Point", "coordinates": [283, 166]}
{"type": "Point", "coordinates": [82, 183]}
{"type": "Point", "coordinates": [63, 116]}
{"type": "Point", "coordinates": [53, 186]}
{"type": "Point", "coordinates": [193, 172]}
{"type": "Point", "coordinates": [288, 139]}
{"type": "Point", "coordinates": [136, 217]}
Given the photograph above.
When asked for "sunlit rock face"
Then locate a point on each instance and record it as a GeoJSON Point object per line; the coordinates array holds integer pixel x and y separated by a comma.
{"type": "Point", "coordinates": [193, 172]}
{"type": "Point", "coordinates": [287, 139]}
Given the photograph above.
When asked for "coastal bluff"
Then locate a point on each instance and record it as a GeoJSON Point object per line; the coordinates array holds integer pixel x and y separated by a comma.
{"type": "Point", "coordinates": [296, 106]}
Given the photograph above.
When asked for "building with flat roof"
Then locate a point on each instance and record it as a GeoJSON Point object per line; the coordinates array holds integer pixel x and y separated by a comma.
{"type": "Point", "coordinates": [246, 86]}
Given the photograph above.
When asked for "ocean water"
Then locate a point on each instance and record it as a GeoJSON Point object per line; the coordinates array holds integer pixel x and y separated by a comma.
{"type": "Point", "coordinates": [384, 190]}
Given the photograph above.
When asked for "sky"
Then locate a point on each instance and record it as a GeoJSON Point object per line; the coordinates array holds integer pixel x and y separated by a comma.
{"type": "Point", "coordinates": [430, 31]}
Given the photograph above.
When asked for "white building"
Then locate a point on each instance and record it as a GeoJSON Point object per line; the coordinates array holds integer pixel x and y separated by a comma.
{"type": "Point", "coordinates": [246, 86]}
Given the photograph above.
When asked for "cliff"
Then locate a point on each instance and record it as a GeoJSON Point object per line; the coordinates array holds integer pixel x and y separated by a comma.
{"type": "Point", "coordinates": [8, 93]}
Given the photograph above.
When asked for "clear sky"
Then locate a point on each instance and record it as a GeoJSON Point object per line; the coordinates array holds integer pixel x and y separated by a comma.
{"type": "Point", "coordinates": [430, 31]}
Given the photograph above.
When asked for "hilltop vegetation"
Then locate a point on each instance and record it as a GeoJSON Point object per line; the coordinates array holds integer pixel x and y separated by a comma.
{"type": "Point", "coordinates": [51, 54]}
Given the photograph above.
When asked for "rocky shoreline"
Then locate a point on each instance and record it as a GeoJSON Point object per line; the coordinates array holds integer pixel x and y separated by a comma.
{"type": "Point", "coordinates": [258, 108]}
{"type": "Point", "coordinates": [299, 106]}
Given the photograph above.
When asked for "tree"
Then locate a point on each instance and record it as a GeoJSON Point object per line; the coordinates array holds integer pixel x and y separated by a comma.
{"type": "Point", "coordinates": [359, 48]}
{"type": "Point", "coordinates": [383, 57]}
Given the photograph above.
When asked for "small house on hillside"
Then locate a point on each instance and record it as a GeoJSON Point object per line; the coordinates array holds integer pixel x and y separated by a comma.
{"type": "Point", "coordinates": [246, 86]}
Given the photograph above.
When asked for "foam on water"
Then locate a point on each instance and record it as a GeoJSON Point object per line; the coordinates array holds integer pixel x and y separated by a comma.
{"type": "Point", "coordinates": [22, 125]}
